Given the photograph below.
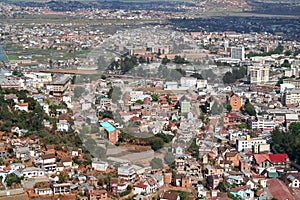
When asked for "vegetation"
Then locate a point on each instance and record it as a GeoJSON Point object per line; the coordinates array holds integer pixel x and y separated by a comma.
{"type": "Point", "coordinates": [12, 179]}
{"type": "Point", "coordinates": [124, 64]}
{"type": "Point", "coordinates": [278, 50]}
{"type": "Point", "coordinates": [165, 60]}
{"type": "Point", "coordinates": [288, 142]}
{"type": "Point", "coordinates": [249, 108]}
{"type": "Point", "coordinates": [228, 107]}
{"type": "Point", "coordinates": [155, 141]}
{"type": "Point", "coordinates": [236, 74]}
{"type": "Point", "coordinates": [180, 60]}
{"type": "Point", "coordinates": [194, 149]}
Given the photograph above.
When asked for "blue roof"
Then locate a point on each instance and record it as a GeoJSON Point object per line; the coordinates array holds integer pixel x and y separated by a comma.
{"type": "Point", "coordinates": [107, 126]}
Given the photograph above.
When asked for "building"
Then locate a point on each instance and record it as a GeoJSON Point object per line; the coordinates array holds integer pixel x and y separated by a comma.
{"type": "Point", "coordinates": [290, 118]}
{"type": "Point", "coordinates": [271, 160]}
{"type": "Point", "coordinates": [185, 106]}
{"type": "Point", "coordinates": [261, 123]}
{"type": "Point", "coordinates": [113, 133]}
{"type": "Point", "coordinates": [188, 82]}
{"type": "Point", "coordinates": [126, 172]}
{"type": "Point", "coordinates": [59, 86]}
{"type": "Point", "coordinates": [98, 195]}
{"type": "Point", "coordinates": [258, 74]}
{"type": "Point", "coordinates": [235, 101]}
{"type": "Point", "coordinates": [99, 165]}
{"type": "Point", "coordinates": [238, 53]}
{"type": "Point", "coordinates": [291, 97]}
{"type": "Point", "coordinates": [248, 143]}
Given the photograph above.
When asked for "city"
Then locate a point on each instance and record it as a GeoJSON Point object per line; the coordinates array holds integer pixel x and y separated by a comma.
{"type": "Point", "coordinates": [170, 100]}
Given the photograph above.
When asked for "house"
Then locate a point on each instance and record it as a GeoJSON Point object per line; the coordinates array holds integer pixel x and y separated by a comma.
{"type": "Point", "coordinates": [22, 106]}
{"type": "Point", "coordinates": [182, 180]}
{"type": "Point", "coordinates": [170, 196]}
{"type": "Point", "coordinates": [61, 188]}
{"type": "Point", "coordinates": [113, 133]}
{"type": "Point", "coordinates": [99, 165]}
{"type": "Point", "coordinates": [98, 195]}
{"type": "Point", "coordinates": [126, 172]}
{"type": "Point", "coordinates": [67, 161]}
{"type": "Point", "coordinates": [141, 189]}
{"type": "Point", "coordinates": [277, 189]}
{"type": "Point", "coordinates": [151, 184]}
{"type": "Point", "coordinates": [48, 162]}
{"type": "Point", "coordinates": [235, 101]}
{"type": "Point", "coordinates": [291, 179]}
{"type": "Point", "coordinates": [30, 172]}
{"type": "Point", "coordinates": [43, 188]}
{"type": "Point", "coordinates": [234, 157]}
{"type": "Point", "coordinates": [243, 192]}
{"type": "Point", "coordinates": [63, 125]}
{"type": "Point", "coordinates": [213, 181]}
{"type": "Point", "coordinates": [22, 153]}
{"type": "Point", "coordinates": [270, 160]}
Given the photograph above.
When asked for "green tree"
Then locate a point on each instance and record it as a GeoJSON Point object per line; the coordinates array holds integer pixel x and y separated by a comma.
{"type": "Point", "coordinates": [165, 60]}
{"type": "Point", "coordinates": [249, 108]}
{"type": "Point", "coordinates": [11, 179]}
{"type": "Point", "coordinates": [228, 107]}
{"type": "Point", "coordinates": [157, 143]}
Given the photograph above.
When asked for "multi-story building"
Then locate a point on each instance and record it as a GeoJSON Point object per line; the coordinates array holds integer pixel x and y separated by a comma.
{"type": "Point", "coordinates": [59, 86]}
{"type": "Point", "coordinates": [126, 172]}
{"type": "Point", "coordinates": [238, 53]}
{"type": "Point", "coordinates": [248, 143]}
{"type": "Point", "coordinates": [185, 106]}
{"type": "Point", "coordinates": [291, 97]}
{"type": "Point", "coordinates": [261, 123]}
{"type": "Point", "coordinates": [258, 74]}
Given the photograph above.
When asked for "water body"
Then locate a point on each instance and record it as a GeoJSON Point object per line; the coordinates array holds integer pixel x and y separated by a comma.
{"type": "Point", "coordinates": [3, 57]}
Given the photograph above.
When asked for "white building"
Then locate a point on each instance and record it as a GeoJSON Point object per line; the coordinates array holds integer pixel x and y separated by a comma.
{"type": "Point", "coordinates": [188, 82]}
{"type": "Point", "coordinates": [261, 123]}
{"type": "Point", "coordinates": [248, 143]}
{"type": "Point", "coordinates": [99, 165]}
{"type": "Point", "coordinates": [258, 74]}
{"type": "Point", "coordinates": [126, 172]}
{"type": "Point", "coordinates": [238, 53]}
{"type": "Point", "coordinates": [30, 172]}
{"type": "Point", "coordinates": [291, 97]}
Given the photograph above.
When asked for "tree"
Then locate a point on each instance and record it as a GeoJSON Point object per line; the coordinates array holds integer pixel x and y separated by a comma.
{"type": "Point", "coordinates": [157, 143]}
{"type": "Point", "coordinates": [154, 97]}
{"type": "Point", "coordinates": [249, 108]}
{"type": "Point", "coordinates": [286, 63]}
{"type": "Point", "coordinates": [179, 60]}
{"type": "Point", "coordinates": [11, 179]}
{"type": "Point", "coordinates": [156, 163]}
{"type": "Point", "coordinates": [228, 107]}
{"type": "Point", "coordinates": [194, 149]}
{"type": "Point", "coordinates": [165, 60]}
{"type": "Point", "coordinates": [139, 102]}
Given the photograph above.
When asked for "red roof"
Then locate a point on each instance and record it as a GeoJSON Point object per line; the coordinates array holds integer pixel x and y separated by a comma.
{"type": "Point", "coordinates": [273, 158]}
{"type": "Point", "coordinates": [141, 186]}
{"type": "Point", "coordinates": [135, 118]}
{"type": "Point", "coordinates": [240, 188]}
{"type": "Point", "coordinates": [278, 189]}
